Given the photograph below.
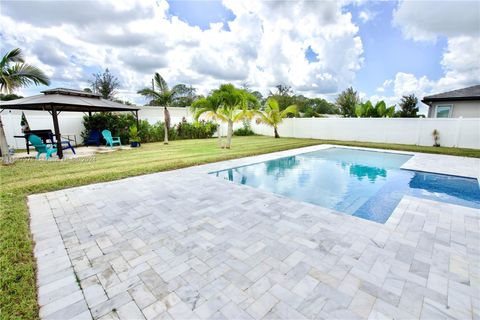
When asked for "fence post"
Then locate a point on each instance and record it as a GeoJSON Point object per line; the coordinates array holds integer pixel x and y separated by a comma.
{"type": "Point", "coordinates": [459, 127]}
{"type": "Point", "coordinates": [293, 127]}
{"type": "Point", "coordinates": [419, 127]}
{"type": "Point", "coordinates": [385, 130]}
{"type": "Point", "coordinates": [6, 157]}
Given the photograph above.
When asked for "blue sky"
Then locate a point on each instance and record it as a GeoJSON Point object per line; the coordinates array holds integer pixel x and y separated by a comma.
{"type": "Point", "coordinates": [384, 49]}
{"type": "Point", "coordinates": [201, 13]}
{"type": "Point", "coordinates": [387, 52]}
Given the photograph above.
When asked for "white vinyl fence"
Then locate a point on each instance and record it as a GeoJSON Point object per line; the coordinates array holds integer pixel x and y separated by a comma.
{"type": "Point", "coordinates": [458, 132]}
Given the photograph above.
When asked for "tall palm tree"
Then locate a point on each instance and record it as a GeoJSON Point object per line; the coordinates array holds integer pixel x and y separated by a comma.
{"type": "Point", "coordinates": [272, 116]}
{"type": "Point", "coordinates": [163, 97]}
{"type": "Point", "coordinates": [234, 105]}
{"type": "Point", "coordinates": [16, 73]}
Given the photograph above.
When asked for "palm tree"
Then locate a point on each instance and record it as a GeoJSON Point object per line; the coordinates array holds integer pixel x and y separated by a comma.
{"type": "Point", "coordinates": [232, 105]}
{"type": "Point", "coordinates": [209, 107]}
{"type": "Point", "coordinates": [272, 116]}
{"type": "Point", "coordinates": [163, 97]}
{"type": "Point", "coordinates": [16, 73]}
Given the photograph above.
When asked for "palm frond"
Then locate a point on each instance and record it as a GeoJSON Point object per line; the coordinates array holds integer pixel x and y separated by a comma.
{"type": "Point", "coordinates": [208, 114]}
{"type": "Point", "coordinates": [147, 92]}
{"type": "Point", "coordinates": [222, 116]}
{"type": "Point", "coordinates": [238, 115]}
{"type": "Point", "coordinates": [262, 117]}
{"type": "Point", "coordinates": [271, 105]}
{"type": "Point", "coordinates": [290, 110]}
{"type": "Point", "coordinates": [200, 103]}
{"type": "Point", "coordinates": [22, 75]}
{"type": "Point", "coordinates": [14, 55]}
{"type": "Point", "coordinates": [160, 82]}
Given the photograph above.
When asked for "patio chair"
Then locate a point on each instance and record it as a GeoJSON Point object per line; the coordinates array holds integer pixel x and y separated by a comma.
{"type": "Point", "coordinates": [41, 147]}
{"type": "Point", "coordinates": [93, 138]}
{"type": "Point", "coordinates": [107, 135]}
{"type": "Point", "coordinates": [64, 142]}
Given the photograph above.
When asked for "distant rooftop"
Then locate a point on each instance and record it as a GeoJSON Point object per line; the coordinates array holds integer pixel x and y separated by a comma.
{"type": "Point", "coordinates": [469, 93]}
{"type": "Point", "coordinates": [72, 92]}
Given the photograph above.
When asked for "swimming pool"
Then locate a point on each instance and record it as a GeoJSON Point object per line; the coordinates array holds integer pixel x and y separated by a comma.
{"type": "Point", "coordinates": [366, 184]}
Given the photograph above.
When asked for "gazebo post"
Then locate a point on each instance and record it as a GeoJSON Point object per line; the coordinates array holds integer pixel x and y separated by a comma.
{"type": "Point", "coordinates": [55, 101]}
{"type": "Point", "coordinates": [58, 136]}
{"type": "Point", "coordinates": [136, 116]}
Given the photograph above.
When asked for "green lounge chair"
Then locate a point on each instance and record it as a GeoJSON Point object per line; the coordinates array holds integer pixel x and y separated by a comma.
{"type": "Point", "coordinates": [107, 135]}
{"type": "Point", "coordinates": [41, 147]}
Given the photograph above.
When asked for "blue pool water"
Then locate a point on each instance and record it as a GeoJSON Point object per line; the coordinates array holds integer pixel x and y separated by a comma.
{"type": "Point", "coordinates": [365, 184]}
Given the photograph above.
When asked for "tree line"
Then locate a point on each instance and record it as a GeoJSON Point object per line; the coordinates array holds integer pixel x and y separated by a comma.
{"type": "Point", "coordinates": [350, 105]}
{"type": "Point", "coordinates": [226, 104]}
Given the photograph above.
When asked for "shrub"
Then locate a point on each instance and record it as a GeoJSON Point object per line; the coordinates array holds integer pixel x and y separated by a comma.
{"type": "Point", "coordinates": [197, 130]}
{"type": "Point", "coordinates": [246, 130]}
{"type": "Point", "coordinates": [121, 124]}
{"type": "Point", "coordinates": [154, 132]}
{"type": "Point", "coordinates": [118, 124]}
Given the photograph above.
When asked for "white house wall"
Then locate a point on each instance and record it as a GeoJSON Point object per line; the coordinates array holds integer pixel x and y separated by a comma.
{"type": "Point", "coordinates": [465, 109]}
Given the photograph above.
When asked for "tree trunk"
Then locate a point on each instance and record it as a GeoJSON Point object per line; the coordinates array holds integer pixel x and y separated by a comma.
{"type": "Point", "coordinates": [219, 136]}
{"type": "Point", "coordinates": [6, 157]}
{"type": "Point", "coordinates": [229, 134]}
{"type": "Point", "coordinates": [166, 124]}
{"type": "Point", "coordinates": [276, 132]}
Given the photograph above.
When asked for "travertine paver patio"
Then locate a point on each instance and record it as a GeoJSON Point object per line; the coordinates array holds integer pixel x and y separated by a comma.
{"type": "Point", "coordinates": [184, 244]}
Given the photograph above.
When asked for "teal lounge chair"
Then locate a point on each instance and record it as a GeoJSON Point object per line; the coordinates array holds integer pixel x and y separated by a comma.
{"type": "Point", "coordinates": [107, 135]}
{"type": "Point", "coordinates": [41, 147]}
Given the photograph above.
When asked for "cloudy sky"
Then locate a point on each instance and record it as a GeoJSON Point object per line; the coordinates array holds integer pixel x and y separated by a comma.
{"type": "Point", "coordinates": [384, 49]}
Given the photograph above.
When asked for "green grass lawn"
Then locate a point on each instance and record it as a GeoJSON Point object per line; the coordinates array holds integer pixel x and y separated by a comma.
{"type": "Point", "coordinates": [18, 296]}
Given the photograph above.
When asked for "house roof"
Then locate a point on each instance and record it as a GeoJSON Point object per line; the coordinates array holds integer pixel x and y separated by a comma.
{"type": "Point", "coordinates": [469, 93]}
{"type": "Point", "coordinates": [66, 100]}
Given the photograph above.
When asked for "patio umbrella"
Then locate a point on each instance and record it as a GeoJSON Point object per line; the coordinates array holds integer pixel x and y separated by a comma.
{"type": "Point", "coordinates": [24, 123]}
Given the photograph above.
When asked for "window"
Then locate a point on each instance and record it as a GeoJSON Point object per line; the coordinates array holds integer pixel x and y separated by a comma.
{"type": "Point", "coordinates": [444, 111]}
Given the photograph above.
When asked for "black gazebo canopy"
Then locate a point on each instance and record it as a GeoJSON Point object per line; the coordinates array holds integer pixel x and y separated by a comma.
{"type": "Point", "coordinates": [60, 99]}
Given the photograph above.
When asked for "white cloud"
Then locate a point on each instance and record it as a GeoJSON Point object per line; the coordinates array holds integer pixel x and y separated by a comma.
{"type": "Point", "coordinates": [426, 20]}
{"type": "Point", "coordinates": [265, 44]}
{"type": "Point", "coordinates": [459, 22]}
{"type": "Point", "coordinates": [385, 85]}
{"type": "Point", "coordinates": [460, 61]}
{"type": "Point", "coordinates": [366, 15]}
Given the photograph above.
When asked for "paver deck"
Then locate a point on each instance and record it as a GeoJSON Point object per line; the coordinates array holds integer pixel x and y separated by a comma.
{"type": "Point", "coordinates": [183, 244]}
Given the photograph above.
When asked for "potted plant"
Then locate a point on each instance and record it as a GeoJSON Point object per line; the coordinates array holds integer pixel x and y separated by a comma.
{"type": "Point", "coordinates": [134, 137]}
